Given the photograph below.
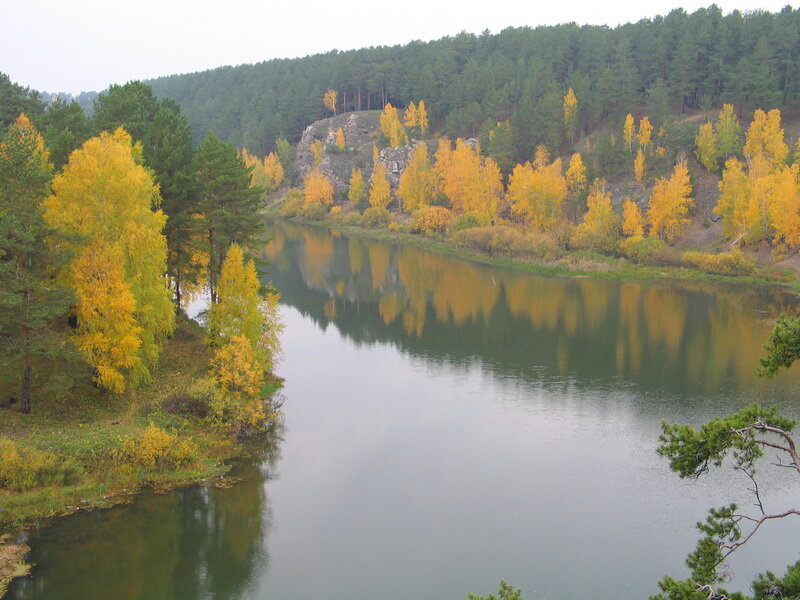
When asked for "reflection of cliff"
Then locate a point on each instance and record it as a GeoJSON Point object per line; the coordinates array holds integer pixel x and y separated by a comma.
{"type": "Point", "coordinates": [193, 543]}
{"type": "Point", "coordinates": [685, 336]}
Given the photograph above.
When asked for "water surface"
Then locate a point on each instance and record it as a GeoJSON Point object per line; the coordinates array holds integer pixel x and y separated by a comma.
{"type": "Point", "coordinates": [449, 424]}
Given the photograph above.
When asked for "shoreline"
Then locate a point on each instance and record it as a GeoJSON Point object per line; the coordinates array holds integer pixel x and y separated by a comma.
{"type": "Point", "coordinates": [574, 263]}
{"type": "Point", "coordinates": [81, 433]}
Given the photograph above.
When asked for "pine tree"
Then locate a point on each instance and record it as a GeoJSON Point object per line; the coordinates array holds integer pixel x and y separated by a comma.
{"type": "Point", "coordinates": [228, 204]}
{"type": "Point", "coordinates": [30, 299]}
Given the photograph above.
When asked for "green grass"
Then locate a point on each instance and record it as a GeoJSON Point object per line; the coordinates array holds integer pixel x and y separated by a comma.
{"type": "Point", "coordinates": [571, 263]}
{"type": "Point", "coordinates": [83, 427]}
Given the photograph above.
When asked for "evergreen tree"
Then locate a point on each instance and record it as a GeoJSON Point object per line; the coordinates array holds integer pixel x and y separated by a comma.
{"type": "Point", "coordinates": [30, 300]}
{"type": "Point", "coordinates": [228, 204]}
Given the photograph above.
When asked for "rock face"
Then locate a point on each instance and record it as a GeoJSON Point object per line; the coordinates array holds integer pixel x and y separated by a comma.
{"type": "Point", "coordinates": [361, 132]}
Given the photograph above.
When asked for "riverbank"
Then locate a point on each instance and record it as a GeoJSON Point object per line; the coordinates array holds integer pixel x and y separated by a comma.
{"type": "Point", "coordinates": [670, 263]}
{"type": "Point", "coordinates": [85, 449]}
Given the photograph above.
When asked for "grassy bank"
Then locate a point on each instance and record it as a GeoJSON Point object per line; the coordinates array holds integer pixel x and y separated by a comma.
{"type": "Point", "coordinates": [667, 264]}
{"type": "Point", "coordinates": [83, 448]}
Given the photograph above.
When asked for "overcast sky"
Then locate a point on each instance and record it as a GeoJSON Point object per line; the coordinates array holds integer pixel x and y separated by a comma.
{"type": "Point", "coordinates": [86, 45]}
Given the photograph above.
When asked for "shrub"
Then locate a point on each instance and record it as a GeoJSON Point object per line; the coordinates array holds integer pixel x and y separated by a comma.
{"type": "Point", "coordinates": [292, 203]}
{"type": "Point", "coordinates": [727, 263]}
{"type": "Point", "coordinates": [641, 250]}
{"type": "Point", "coordinates": [353, 219]}
{"type": "Point", "coordinates": [336, 211]}
{"type": "Point", "coordinates": [432, 219]}
{"type": "Point", "coordinates": [155, 449]}
{"type": "Point", "coordinates": [23, 469]}
{"type": "Point", "coordinates": [376, 216]}
{"type": "Point", "coordinates": [508, 241]}
{"type": "Point", "coordinates": [314, 212]}
{"type": "Point", "coordinates": [468, 221]}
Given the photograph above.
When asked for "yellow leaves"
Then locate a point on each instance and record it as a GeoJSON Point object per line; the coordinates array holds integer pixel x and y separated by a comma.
{"type": "Point", "coordinates": [329, 100]}
{"type": "Point", "coordinates": [472, 183]}
{"type": "Point", "coordinates": [392, 128]}
{"type": "Point", "coordinates": [570, 111]}
{"type": "Point", "coordinates": [380, 194]}
{"type": "Point", "coordinates": [236, 311]}
{"type": "Point", "coordinates": [733, 201]}
{"type": "Point", "coordinates": [416, 118]}
{"type": "Point", "coordinates": [357, 189]}
{"type": "Point", "coordinates": [341, 143]}
{"type": "Point", "coordinates": [244, 327]}
{"type": "Point", "coordinates": [236, 368]}
{"type": "Point", "coordinates": [707, 150]}
{"type": "Point", "coordinates": [576, 175]}
{"type": "Point", "coordinates": [258, 173]}
{"type": "Point", "coordinates": [418, 182]}
{"type": "Point", "coordinates": [538, 191]}
{"type": "Point", "coordinates": [632, 221]}
{"type": "Point", "coordinates": [628, 131]}
{"type": "Point", "coordinates": [107, 333]}
{"type": "Point", "coordinates": [317, 188]}
{"type": "Point", "coordinates": [274, 171]}
{"type": "Point", "coordinates": [765, 138]}
{"type": "Point", "coordinates": [670, 201]}
{"type": "Point", "coordinates": [784, 207]}
{"type": "Point", "coordinates": [639, 165]}
{"type": "Point", "coordinates": [645, 133]}
{"type": "Point", "coordinates": [599, 227]}
{"type": "Point", "coordinates": [317, 151]}
{"type": "Point", "coordinates": [102, 200]}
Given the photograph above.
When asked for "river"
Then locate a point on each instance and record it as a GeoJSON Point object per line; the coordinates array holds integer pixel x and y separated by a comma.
{"type": "Point", "coordinates": [449, 424]}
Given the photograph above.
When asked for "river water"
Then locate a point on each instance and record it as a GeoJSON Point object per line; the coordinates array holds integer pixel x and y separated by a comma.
{"type": "Point", "coordinates": [449, 424]}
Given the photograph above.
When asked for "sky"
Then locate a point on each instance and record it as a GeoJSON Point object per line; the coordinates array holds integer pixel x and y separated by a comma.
{"type": "Point", "coordinates": [87, 45]}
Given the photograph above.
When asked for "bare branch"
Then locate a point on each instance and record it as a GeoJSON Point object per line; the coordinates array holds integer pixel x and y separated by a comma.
{"type": "Point", "coordinates": [759, 522]}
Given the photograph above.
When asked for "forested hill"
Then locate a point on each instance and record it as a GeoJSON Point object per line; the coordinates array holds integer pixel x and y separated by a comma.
{"type": "Point", "coordinates": [670, 63]}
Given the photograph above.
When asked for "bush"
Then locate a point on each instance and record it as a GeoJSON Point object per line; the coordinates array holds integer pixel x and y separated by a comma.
{"type": "Point", "coordinates": [727, 263]}
{"type": "Point", "coordinates": [23, 469]}
{"type": "Point", "coordinates": [432, 219]}
{"type": "Point", "coordinates": [354, 219]}
{"type": "Point", "coordinates": [315, 212]}
{"type": "Point", "coordinates": [507, 241]}
{"type": "Point", "coordinates": [376, 216]}
{"type": "Point", "coordinates": [468, 221]}
{"type": "Point", "coordinates": [292, 203]}
{"type": "Point", "coordinates": [641, 250]}
{"type": "Point", "coordinates": [155, 449]}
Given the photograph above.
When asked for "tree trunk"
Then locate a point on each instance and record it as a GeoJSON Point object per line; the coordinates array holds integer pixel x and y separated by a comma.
{"type": "Point", "coordinates": [212, 279]}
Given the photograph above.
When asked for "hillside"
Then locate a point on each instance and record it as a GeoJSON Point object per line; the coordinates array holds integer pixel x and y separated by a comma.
{"type": "Point", "coordinates": [664, 65]}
